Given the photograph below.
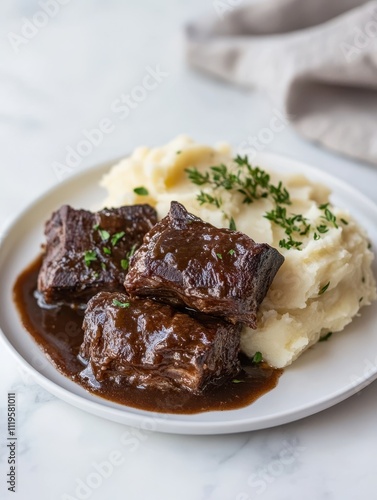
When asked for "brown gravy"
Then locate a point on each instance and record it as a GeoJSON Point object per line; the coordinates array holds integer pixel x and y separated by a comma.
{"type": "Point", "coordinates": [59, 334]}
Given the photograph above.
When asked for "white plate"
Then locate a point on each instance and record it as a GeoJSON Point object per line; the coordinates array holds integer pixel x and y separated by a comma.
{"type": "Point", "coordinates": [325, 375]}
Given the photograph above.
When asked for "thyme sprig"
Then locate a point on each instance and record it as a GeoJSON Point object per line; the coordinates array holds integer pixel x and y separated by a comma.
{"type": "Point", "coordinates": [253, 184]}
{"type": "Point", "coordinates": [294, 224]}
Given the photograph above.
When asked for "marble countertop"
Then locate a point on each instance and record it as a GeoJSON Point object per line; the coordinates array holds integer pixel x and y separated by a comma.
{"type": "Point", "coordinates": [62, 74]}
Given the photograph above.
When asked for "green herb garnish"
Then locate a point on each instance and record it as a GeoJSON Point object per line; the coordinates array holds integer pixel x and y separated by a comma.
{"type": "Point", "coordinates": [89, 257]}
{"type": "Point", "coordinates": [117, 303]}
{"type": "Point", "coordinates": [253, 184]}
{"type": "Point", "coordinates": [325, 337]}
{"type": "Point", "coordinates": [196, 177]}
{"type": "Point", "coordinates": [232, 224]}
{"type": "Point", "coordinates": [257, 358]}
{"type": "Point", "coordinates": [116, 237]}
{"type": "Point", "coordinates": [103, 265]}
{"type": "Point", "coordinates": [219, 256]}
{"type": "Point", "coordinates": [107, 250]}
{"type": "Point", "coordinates": [125, 263]}
{"type": "Point", "coordinates": [105, 235]}
{"type": "Point", "coordinates": [344, 222]}
{"type": "Point", "coordinates": [95, 227]}
{"type": "Point", "coordinates": [207, 198]}
{"type": "Point", "coordinates": [322, 228]}
{"type": "Point", "coordinates": [231, 251]}
{"type": "Point", "coordinates": [328, 215]}
{"type": "Point", "coordinates": [324, 288]}
{"type": "Point", "coordinates": [237, 381]}
{"type": "Point", "coordinates": [141, 191]}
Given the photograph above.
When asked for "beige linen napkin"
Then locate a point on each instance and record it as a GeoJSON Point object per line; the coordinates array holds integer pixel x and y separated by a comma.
{"type": "Point", "coordinates": [316, 58]}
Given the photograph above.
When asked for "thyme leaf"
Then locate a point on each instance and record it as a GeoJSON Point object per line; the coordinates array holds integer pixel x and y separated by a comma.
{"type": "Point", "coordinates": [232, 224]}
{"type": "Point", "coordinates": [324, 288]}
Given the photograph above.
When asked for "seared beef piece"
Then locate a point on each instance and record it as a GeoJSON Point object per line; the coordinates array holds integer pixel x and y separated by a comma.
{"type": "Point", "coordinates": [185, 261]}
{"type": "Point", "coordinates": [84, 250]}
{"type": "Point", "coordinates": [152, 344]}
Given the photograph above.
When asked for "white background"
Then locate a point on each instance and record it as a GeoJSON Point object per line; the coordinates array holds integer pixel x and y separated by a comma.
{"type": "Point", "coordinates": [63, 81]}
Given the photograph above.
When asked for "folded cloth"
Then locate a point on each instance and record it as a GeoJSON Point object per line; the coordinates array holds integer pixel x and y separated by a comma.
{"type": "Point", "coordinates": [317, 59]}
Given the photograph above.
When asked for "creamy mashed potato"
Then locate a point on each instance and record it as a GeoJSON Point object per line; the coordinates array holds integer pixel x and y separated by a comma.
{"type": "Point", "coordinates": [318, 289]}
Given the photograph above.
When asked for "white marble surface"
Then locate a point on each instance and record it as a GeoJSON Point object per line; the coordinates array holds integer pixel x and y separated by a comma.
{"type": "Point", "coordinates": [64, 80]}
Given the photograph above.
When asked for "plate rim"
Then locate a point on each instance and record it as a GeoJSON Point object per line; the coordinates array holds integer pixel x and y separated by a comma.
{"type": "Point", "coordinates": [171, 425]}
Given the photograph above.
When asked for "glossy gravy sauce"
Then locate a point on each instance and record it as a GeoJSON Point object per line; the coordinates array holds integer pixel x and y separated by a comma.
{"type": "Point", "coordinates": [59, 334]}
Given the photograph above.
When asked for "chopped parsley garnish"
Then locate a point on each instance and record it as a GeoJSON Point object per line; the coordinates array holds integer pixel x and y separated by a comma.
{"type": "Point", "coordinates": [257, 358]}
{"type": "Point", "coordinates": [89, 257]}
{"type": "Point", "coordinates": [105, 235]}
{"type": "Point", "coordinates": [237, 381]}
{"type": "Point", "coordinates": [231, 251]}
{"type": "Point", "coordinates": [103, 265]}
{"type": "Point", "coordinates": [141, 191]}
{"type": "Point", "coordinates": [95, 227]}
{"type": "Point", "coordinates": [116, 237]}
{"type": "Point", "coordinates": [324, 288]}
{"type": "Point", "coordinates": [344, 222]}
{"type": "Point", "coordinates": [325, 337]}
{"type": "Point", "coordinates": [253, 184]}
{"type": "Point", "coordinates": [118, 303]}
{"type": "Point", "coordinates": [107, 250]}
{"type": "Point", "coordinates": [219, 255]}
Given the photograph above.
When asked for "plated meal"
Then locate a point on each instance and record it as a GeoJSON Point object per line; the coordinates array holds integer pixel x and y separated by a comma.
{"type": "Point", "coordinates": [195, 282]}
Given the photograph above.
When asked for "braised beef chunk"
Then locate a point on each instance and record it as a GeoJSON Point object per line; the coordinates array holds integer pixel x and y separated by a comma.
{"type": "Point", "coordinates": [154, 345]}
{"type": "Point", "coordinates": [186, 261]}
{"type": "Point", "coordinates": [86, 252]}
